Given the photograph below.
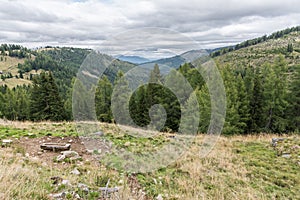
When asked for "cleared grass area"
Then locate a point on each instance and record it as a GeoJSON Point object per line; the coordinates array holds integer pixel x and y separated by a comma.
{"type": "Point", "coordinates": [239, 167]}
{"type": "Point", "coordinates": [13, 82]}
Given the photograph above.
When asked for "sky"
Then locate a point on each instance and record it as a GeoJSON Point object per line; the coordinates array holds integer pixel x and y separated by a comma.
{"type": "Point", "coordinates": [152, 29]}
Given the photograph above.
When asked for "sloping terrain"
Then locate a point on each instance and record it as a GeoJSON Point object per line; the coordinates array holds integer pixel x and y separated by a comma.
{"type": "Point", "coordinates": [238, 167]}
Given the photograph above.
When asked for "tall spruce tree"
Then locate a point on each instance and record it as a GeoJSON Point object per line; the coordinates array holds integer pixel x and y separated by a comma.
{"type": "Point", "coordinates": [46, 103]}
{"type": "Point", "coordinates": [103, 100]}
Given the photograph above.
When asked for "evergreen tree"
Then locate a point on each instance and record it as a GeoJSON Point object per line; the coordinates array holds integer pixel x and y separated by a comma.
{"type": "Point", "coordinates": [294, 101]}
{"type": "Point", "coordinates": [256, 102]}
{"type": "Point", "coordinates": [275, 96]}
{"type": "Point", "coordinates": [103, 100]}
{"type": "Point", "coordinates": [46, 103]}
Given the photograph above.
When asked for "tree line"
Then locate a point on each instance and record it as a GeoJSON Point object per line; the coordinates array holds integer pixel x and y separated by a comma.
{"type": "Point", "coordinates": [259, 99]}
{"type": "Point", "coordinates": [258, 40]}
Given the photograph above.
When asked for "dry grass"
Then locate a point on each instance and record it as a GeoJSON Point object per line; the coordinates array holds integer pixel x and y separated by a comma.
{"type": "Point", "coordinates": [239, 167]}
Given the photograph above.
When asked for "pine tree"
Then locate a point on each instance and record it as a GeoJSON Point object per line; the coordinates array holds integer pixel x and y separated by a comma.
{"type": "Point", "coordinates": [103, 100]}
{"type": "Point", "coordinates": [256, 102]}
{"type": "Point", "coordinates": [294, 101]}
{"type": "Point", "coordinates": [46, 103]}
{"type": "Point", "coordinates": [275, 96]}
{"type": "Point", "coordinates": [242, 104]}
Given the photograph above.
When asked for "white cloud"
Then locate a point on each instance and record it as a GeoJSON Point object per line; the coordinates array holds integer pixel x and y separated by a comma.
{"type": "Point", "coordinates": [88, 23]}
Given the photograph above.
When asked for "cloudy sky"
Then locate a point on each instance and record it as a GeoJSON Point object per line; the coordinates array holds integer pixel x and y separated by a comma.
{"type": "Point", "coordinates": [156, 27]}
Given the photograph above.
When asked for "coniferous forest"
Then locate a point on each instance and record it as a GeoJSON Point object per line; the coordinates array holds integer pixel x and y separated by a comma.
{"type": "Point", "coordinates": [261, 96]}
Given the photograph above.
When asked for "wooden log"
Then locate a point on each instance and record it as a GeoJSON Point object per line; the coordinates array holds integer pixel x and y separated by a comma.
{"type": "Point", "coordinates": [55, 146]}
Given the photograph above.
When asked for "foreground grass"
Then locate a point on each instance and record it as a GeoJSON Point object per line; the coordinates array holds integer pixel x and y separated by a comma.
{"type": "Point", "coordinates": [239, 167]}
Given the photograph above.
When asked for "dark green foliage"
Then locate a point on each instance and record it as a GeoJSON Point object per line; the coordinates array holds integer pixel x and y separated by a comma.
{"type": "Point", "coordinates": [294, 101]}
{"type": "Point", "coordinates": [103, 100]}
{"type": "Point", "coordinates": [45, 101]}
{"type": "Point", "coordinates": [290, 48]}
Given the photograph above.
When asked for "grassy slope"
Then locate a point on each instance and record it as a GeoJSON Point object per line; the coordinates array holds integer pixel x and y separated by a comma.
{"type": "Point", "coordinates": [264, 52]}
{"type": "Point", "coordinates": [239, 167]}
{"type": "Point", "coordinates": [10, 64]}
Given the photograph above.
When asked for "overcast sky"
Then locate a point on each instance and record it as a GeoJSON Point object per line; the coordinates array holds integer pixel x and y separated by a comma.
{"type": "Point", "coordinates": [157, 27]}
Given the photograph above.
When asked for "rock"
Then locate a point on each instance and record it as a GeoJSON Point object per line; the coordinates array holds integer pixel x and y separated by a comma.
{"type": "Point", "coordinates": [127, 144]}
{"type": "Point", "coordinates": [61, 195]}
{"type": "Point", "coordinates": [75, 172]}
{"type": "Point", "coordinates": [76, 196]}
{"type": "Point", "coordinates": [39, 153]}
{"type": "Point", "coordinates": [106, 190]}
{"type": "Point", "coordinates": [159, 197]}
{"type": "Point", "coordinates": [70, 141]}
{"type": "Point", "coordinates": [7, 141]}
{"type": "Point", "coordinates": [71, 154]}
{"type": "Point", "coordinates": [60, 158]}
{"type": "Point", "coordinates": [26, 154]}
{"type": "Point", "coordinates": [83, 187]}
{"type": "Point", "coordinates": [276, 140]}
{"type": "Point", "coordinates": [99, 133]}
{"type": "Point", "coordinates": [286, 155]}
{"type": "Point", "coordinates": [89, 151]}
{"type": "Point", "coordinates": [66, 182]}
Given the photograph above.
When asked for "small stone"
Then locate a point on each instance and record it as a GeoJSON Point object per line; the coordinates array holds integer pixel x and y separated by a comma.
{"type": "Point", "coordinates": [127, 144]}
{"type": "Point", "coordinates": [75, 172]}
{"type": "Point", "coordinates": [159, 197]}
{"type": "Point", "coordinates": [76, 196]}
{"type": "Point", "coordinates": [60, 158]}
{"type": "Point", "coordinates": [70, 154]}
{"type": "Point", "coordinates": [83, 187]}
{"type": "Point", "coordinates": [39, 153]}
{"type": "Point", "coordinates": [61, 195]}
{"type": "Point", "coordinates": [66, 182]}
{"type": "Point", "coordinates": [286, 155]}
{"type": "Point", "coordinates": [70, 141]}
{"type": "Point", "coordinates": [26, 154]}
{"type": "Point", "coordinates": [89, 151]}
{"type": "Point", "coordinates": [7, 141]}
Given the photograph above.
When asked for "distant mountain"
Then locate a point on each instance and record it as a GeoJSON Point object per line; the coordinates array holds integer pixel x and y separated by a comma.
{"type": "Point", "coordinates": [133, 59]}
{"type": "Point", "coordinates": [176, 61]}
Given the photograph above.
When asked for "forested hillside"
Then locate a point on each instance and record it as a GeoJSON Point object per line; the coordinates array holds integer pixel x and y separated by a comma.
{"type": "Point", "coordinates": [261, 78]}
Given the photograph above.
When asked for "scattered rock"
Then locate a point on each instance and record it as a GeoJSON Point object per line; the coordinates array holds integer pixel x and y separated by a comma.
{"type": "Point", "coordinates": [6, 143]}
{"type": "Point", "coordinates": [61, 195]}
{"type": "Point", "coordinates": [75, 172]}
{"type": "Point", "coordinates": [99, 133]}
{"type": "Point", "coordinates": [159, 197]}
{"type": "Point", "coordinates": [83, 187]}
{"type": "Point", "coordinates": [70, 154]}
{"type": "Point", "coordinates": [76, 196]}
{"type": "Point", "coordinates": [127, 144]}
{"type": "Point", "coordinates": [276, 140]}
{"type": "Point", "coordinates": [89, 151]}
{"type": "Point", "coordinates": [66, 182]}
{"type": "Point", "coordinates": [286, 155]}
{"type": "Point", "coordinates": [60, 158]}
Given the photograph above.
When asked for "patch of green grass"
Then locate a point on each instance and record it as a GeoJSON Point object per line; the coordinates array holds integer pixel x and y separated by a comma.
{"type": "Point", "coordinates": [275, 175]}
{"type": "Point", "coordinates": [33, 132]}
{"type": "Point", "coordinates": [136, 144]}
